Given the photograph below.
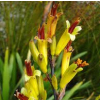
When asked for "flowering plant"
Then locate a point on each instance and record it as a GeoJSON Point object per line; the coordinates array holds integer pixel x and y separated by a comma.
{"type": "Point", "coordinates": [44, 53]}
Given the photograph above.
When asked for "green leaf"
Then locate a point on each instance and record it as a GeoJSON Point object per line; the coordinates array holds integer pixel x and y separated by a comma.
{"type": "Point", "coordinates": [1, 71]}
{"type": "Point", "coordinates": [59, 59]}
{"type": "Point", "coordinates": [6, 77]}
{"type": "Point", "coordinates": [1, 66]}
{"type": "Point", "coordinates": [78, 56]}
{"type": "Point", "coordinates": [11, 62]}
{"type": "Point", "coordinates": [19, 61]}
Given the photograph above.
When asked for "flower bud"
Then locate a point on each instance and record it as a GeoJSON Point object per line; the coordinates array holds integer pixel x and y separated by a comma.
{"type": "Point", "coordinates": [42, 92]}
{"type": "Point", "coordinates": [33, 50]}
{"type": "Point", "coordinates": [53, 46]}
{"type": "Point", "coordinates": [54, 82]}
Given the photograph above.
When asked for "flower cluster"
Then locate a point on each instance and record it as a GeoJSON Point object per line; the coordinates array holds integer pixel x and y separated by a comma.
{"type": "Point", "coordinates": [34, 87]}
{"type": "Point", "coordinates": [45, 45]}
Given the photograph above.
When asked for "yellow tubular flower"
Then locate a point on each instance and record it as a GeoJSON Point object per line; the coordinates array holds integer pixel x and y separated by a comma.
{"type": "Point", "coordinates": [71, 71]}
{"type": "Point", "coordinates": [42, 64]}
{"type": "Point", "coordinates": [33, 83]}
{"type": "Point", "coordinates": [53, 46]}
{"type": "Point", "coordinates": [53, 17]}
{"type": "Point", "coordinates": [33, 50]}
{"type": "Point", "coordinates": [66, 60]}
{"type": "Point", "coordinates": [42, 47]}
{"type": "Point", "coordinates": [69, 74]}
{"type": "Point", "coordinates": [51, 24]}
{"type": "Point", "coordinates": [62, 42]}
{"type": "Point", "coordinates": [30, 91]}
{"type": "Point", "coordinates": [68, 35]}
{"type": "Point", "coordinates": [42, 92]}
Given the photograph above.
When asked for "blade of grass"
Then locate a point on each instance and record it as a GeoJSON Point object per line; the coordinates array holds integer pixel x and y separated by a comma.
{"type": "Point", "coordinates": [71, 92]}
{"type": "Point", "coordinates": [78, 56]}
{"type": "Point", "coordinates": [18, 84]}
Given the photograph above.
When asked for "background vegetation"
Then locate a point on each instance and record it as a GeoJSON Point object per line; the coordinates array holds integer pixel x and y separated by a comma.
{"type": "Point", "coordinates": [19, 22]}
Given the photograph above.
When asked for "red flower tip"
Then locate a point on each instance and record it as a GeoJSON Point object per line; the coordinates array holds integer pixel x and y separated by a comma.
{"type": "Point", "coordinates": [54, 9]}
{"type": "Point", "coordinates": [41, 32]}
{"type": "Point", "coordinates": [20, 96]}
{"type": "Point", "coordinates": [72, 27]}
{"type": "Point", "coordinates": [28, 68]}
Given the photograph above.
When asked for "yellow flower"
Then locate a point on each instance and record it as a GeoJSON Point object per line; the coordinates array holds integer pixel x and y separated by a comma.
{"type": "Point", "coordinates": [71, 71]}
{"type": "Point", "coordinates": [42, 59]}
{"type": "Point", "coordinates": [66, 59]}
{"type": "Point", "coordinates": [31, 89]}
{"type": "Point", "coordinates": [53, 17]}
{"type": "Point", "coordinates": [68, 35]}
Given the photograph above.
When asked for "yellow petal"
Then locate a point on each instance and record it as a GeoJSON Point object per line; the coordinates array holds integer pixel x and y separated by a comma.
{"type": "Point", "coordinates": [40, 86]}
{"type": "Point", "coordinates": [30, 90]}
{"type": "Point", "coordinates": [62, 42]}
{"type": "Point", "coordinates": [42, 64]}
{"type": "Point", "coordinates": [33, 83]}
{"type": "Point", "coordinates": [69, 75]}
{"type": "Point", "coordinates": [65, 61]}
{"type": "Point", "coordinates": [42, 47]}
{"type": "Point", "coordinates": [44, 95]}
{"type": "Point", "coordinates": [76, 30]}
{"type": "Point", "coordinates": [72, 37]}
{"type": "Point", "coordinates": [37, 73]}
{"type": "Point", "coordinates": [68, 24]}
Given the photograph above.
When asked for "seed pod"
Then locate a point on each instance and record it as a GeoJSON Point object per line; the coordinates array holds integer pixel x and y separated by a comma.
{"type": "Point", "coordinates": [33, 50]}
{"type": "Point", "coordinates": [54, 82]}
{"type": "Point", "coordinates": [42, 64]}
{"type": "Point", "coordinates": [69, 75]}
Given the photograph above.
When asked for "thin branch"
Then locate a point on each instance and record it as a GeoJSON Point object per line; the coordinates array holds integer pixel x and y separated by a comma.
{"type": "Point", "coordinates": [52, 72]}
{"type": "Point", "coordinates": [46, 11]}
